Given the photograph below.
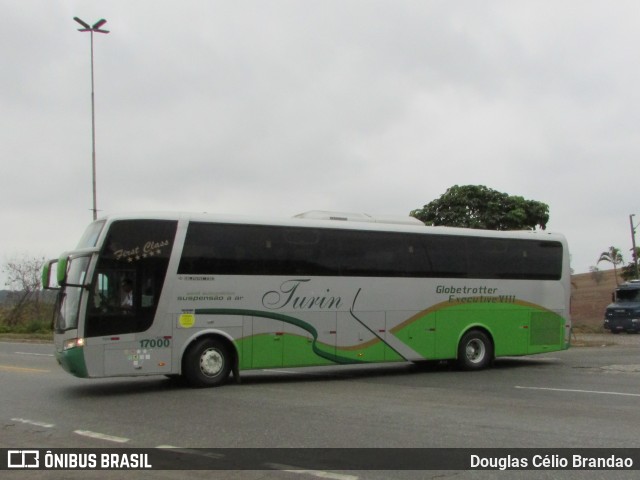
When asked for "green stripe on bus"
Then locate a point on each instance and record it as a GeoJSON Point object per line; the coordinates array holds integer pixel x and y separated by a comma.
{"type": "Point", "coordinates": [316, 347]}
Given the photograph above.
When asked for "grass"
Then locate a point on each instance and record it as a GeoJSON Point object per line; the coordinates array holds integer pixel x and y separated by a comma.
{"type": "Point", "coordinates": [30, 331]}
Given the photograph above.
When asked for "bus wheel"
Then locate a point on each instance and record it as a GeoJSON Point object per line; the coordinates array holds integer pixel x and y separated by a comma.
{"type": "Point", "coordinates": [475, 351]}
{"type": "Point", "coordinates": [207, 363]}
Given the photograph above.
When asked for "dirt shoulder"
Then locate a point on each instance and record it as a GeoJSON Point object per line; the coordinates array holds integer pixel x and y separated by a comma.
{"type": "Point", "coordinates": [604, 339]}
{"type": "Point", "coordinates": [25, 338]}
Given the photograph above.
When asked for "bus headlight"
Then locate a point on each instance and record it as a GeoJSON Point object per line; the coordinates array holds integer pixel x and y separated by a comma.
{"type": "Point", "coordinates": [73, 343]}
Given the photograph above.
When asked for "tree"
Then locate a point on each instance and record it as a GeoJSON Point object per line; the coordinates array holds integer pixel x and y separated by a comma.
{"type": "Point", "coordinates": [596, 274]}
{"type": "Point", "coordinates": [476, 206]}
{"type": "Point", "coordinates": [24, 279]}
{"type": "Point", "coordinates": [629, 272]}
{"type": "Point", "coordinates": [613, 256]}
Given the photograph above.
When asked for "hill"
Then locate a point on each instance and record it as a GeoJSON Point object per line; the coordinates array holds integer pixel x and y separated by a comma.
{"type": "Point", "coordinates": [590, 294]}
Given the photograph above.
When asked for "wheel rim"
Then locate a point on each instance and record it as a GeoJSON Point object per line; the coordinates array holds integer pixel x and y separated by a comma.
{"type": "Point", "coordinates": [475, 351]}
{"type": "Point", "coordinates": [211, 362]}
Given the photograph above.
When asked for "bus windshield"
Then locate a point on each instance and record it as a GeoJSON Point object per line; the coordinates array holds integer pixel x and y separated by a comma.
{"type": "Point", "coordinates": [68, 305]}
{"type": "Point", "coordinates": [91, 234]}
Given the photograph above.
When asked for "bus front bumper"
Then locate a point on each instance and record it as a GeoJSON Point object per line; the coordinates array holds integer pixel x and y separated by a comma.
{"type": "Point", "coordinates": [72, 361]}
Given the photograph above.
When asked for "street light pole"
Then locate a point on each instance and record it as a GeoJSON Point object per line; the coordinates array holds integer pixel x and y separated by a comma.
{"type": "Point", "coordinates": [93, 28]}
{"type": "Point", "coordinates": [633, 243]}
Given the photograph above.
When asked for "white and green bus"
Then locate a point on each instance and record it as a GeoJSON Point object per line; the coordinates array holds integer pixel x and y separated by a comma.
{"type": "Point", "coordinates": [201, 296]}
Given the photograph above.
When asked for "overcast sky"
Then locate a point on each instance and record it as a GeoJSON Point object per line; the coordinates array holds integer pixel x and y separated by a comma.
{"type": "Point", "coordinates": [278, 107]}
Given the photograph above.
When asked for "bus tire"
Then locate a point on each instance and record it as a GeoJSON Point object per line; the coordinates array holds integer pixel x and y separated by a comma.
{"type": "Point", "coordinates": [207, 363]}
{"type": "Point", "coordinates": [475, 351]}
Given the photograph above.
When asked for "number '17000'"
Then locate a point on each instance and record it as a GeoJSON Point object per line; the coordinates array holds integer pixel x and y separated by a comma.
{"type": "Point", "coordinates": [155, 343]}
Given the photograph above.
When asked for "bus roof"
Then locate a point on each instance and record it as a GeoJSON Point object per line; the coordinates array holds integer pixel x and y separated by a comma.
{"type": "Point", "coordinates": [347, 221]}
{"type": "Point", "coordinates": [359, 217]}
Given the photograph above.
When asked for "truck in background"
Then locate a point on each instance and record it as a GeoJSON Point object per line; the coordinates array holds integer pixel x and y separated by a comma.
{"type": "Point", "coordinates": [623, 314]}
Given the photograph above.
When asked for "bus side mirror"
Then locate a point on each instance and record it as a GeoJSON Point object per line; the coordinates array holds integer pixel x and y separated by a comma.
{"type": "Point", "coordinates": [49, 283]}
{"type": "Point", "coordinates": [61, 272]}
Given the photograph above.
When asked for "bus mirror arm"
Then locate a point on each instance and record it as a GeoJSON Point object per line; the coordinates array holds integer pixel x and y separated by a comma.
{"type": "Point", "coordinates": [78, 285]}
{"type": "Point", "coordinates": [61, 273]}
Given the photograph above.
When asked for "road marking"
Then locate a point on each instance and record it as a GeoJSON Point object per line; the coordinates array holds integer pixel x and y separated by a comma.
{"type": "Point", "coordinates": [33, 422]}
{"type": "Point", "coordinates": [321, 474]}
{"type": "Point", "coordinates": [314, 473]}
{"type": "Point", "coordinates": [101, 436]}
{"type": "Point", "coordinates": [192, 451]}
{"type": "Point", "coordinates": [569, 390]}
{"type": "Point", "coordinates": [22, 369]}
{"type": "Point", "coordinates": [35, 354]}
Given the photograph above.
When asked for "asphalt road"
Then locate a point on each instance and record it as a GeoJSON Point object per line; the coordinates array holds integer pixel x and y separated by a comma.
{"type": "Point", "coordinates": [585, 397]}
